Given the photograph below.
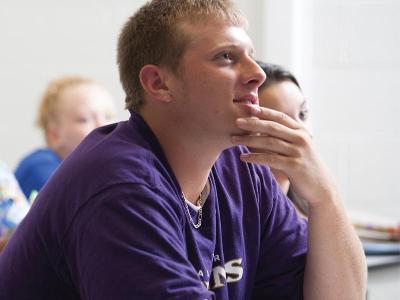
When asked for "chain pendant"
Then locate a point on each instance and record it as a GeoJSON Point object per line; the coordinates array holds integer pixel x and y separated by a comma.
{"type": "Point", "coordinates": [199, 213]}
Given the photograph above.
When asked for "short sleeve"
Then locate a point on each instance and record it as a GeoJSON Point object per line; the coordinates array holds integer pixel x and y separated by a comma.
{"type": "Point", "coordinates": [128, 242]}
{"type": "Point", "coordinates": [283, 248]}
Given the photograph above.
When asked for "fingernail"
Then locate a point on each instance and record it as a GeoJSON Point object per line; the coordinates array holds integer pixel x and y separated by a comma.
{"type": "Point", "coordinates": [255, 109]}
{"type": "Point", "coordinates": [241, 121]}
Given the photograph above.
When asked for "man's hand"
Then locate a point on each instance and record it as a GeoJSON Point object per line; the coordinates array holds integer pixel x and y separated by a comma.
{"type": "Point", "coordinates": [284, 144]}
{"type": "Point", "coordinates": [335, 266]}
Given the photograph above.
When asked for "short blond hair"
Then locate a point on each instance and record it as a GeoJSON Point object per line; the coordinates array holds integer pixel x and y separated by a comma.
{"type": "Point", "coordinates": [47, 111]}
{"type": "Point", "coordinates": [153, 36]}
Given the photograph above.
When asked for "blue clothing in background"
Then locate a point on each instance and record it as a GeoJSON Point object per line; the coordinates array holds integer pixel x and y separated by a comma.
{"type": "Point", "coordinates": [35, 169]}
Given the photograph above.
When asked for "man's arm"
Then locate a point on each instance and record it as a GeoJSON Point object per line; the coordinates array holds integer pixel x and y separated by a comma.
{"type": "Point", "coordinates": [336, 266]}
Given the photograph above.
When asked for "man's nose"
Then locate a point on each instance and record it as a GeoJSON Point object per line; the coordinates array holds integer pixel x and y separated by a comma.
{"type": "Point", "coordinates": [254, 75]}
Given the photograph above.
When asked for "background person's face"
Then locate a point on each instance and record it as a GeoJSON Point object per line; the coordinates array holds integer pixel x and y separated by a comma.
{"type": "Point", "coordinates": [286, 97]}
{"type": "Point", "coordinates": [81, 109]}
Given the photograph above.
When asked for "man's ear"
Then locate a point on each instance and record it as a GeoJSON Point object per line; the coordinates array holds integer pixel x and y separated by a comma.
{"type": "Point", "coordinates": [153, 80]}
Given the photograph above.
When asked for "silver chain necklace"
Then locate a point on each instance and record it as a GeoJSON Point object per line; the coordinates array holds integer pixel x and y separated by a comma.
{"type": "Point", "coordinates": [200, 203]}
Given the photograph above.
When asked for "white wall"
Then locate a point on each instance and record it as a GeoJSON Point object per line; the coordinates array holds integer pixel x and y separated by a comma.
{"type": "Point", "coordinates": [345, 53]}
{"type": "Point", "coordinates": [356, 78]}
{"type": "Point", "coordinates": [43, 39]}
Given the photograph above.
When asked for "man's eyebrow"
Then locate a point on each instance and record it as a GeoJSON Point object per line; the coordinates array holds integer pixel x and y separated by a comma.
{"type": "Point", "coordinates": [222, 46]}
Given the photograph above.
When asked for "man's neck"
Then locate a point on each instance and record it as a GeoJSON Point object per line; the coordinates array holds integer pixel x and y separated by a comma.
{"type": "Point", "coordinates": [190, 157]}
{"type": "Point", "coordinates": [191, 162]}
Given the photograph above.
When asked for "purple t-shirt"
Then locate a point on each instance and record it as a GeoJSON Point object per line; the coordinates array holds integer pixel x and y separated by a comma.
{"type": "Point", "coordinates": [111, 224]}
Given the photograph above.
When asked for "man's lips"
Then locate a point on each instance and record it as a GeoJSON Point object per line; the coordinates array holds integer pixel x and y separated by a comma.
{"type": "Point", "coordinates": [247, 99]}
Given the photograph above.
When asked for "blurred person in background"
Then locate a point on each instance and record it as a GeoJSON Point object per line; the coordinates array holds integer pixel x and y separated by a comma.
{"type": "Point", "coordinates": [70, 108]}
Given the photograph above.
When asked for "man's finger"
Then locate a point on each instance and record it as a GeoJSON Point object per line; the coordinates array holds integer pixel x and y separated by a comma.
{"type": "Point", "coordinates": [275, 116]}
{"type": "Point", "coordinates": [260, 143]}
{"type": "Point", "coordinates": [269, 128]}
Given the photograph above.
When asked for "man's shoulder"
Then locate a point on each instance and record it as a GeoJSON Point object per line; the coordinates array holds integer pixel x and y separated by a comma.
{"type": "Point", "coordinates": [112, 154]}
{"type": "Point", "coordinates": [106, 159]}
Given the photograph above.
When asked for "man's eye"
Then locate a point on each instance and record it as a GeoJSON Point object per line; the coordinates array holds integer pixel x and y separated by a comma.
{"type": "Point", "coordinates": [227, 55]}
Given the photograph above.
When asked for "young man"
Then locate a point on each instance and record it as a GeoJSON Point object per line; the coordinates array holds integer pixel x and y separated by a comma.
{"type": "Point", "coordinates": [165, 206]}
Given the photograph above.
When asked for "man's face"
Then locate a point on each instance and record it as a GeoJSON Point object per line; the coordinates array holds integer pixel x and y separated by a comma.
{"type": "Point", "coordinates": [217, 81]}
